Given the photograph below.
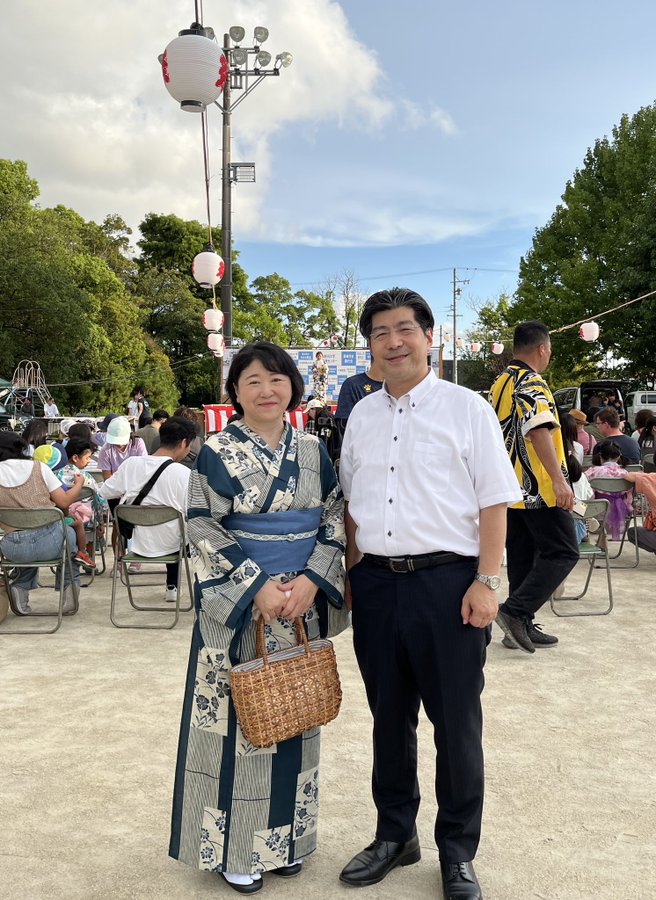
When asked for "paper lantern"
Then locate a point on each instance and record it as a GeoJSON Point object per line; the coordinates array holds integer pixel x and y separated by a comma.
{"type": "Point", "coordinates": [215, 342]}
{"type": "Point", "coordinates": [213, 319]}
{"type": "Point", "coordinates": [219, 353]}
{"type": "Point", "coordinates": [334, 339]}
{"type": "Point", "coordinates": [325, 343]}
{"type": "Point", "coordinates": [497, 347]}
{"type": "Point", "coordinates": [475, 347]}
{"type": "Point", "coordinates": [589, 331]}
{"type": "Point", "coordinates": [460, 343]}
{"type": "Point", "coordinates": [194, 70]}
{"type": "Point", "coordinates": [446, 337]}
{"type": "Point", "coordinates": [207, 268]}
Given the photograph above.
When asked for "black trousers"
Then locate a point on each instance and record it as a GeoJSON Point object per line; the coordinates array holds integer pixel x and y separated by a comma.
{"type": "Point", "coordinates": [542, 550]}
{"type": "Point", "coordinates": [412, 647]}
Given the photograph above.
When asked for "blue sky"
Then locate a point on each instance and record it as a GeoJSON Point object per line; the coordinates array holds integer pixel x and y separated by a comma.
{"type": "Point", "coordinates": [404, 138]}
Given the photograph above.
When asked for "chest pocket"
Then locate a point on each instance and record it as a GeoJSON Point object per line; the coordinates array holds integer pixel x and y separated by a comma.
{"type": "Point", "coordinates": [432, 464]}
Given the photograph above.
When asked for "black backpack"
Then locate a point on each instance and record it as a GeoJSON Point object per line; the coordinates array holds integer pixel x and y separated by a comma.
{"type": "Point", "coordinates": [146, 414]}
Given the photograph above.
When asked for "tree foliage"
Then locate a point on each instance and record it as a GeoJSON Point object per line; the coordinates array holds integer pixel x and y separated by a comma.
{"type": "Point", "coordinates": [597, 251]}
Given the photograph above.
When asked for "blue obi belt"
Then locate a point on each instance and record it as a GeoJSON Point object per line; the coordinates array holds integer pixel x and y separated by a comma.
{"type": "Point", "coordinates": [278, 542]}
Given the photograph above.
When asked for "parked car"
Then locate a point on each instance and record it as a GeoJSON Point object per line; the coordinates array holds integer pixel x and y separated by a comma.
{"type": "Point", "coordinates": [641, 399]}
{"type": "Point", "coordinates": [578, 396]}
{"type": "Point", "coordinates": [11, 422]}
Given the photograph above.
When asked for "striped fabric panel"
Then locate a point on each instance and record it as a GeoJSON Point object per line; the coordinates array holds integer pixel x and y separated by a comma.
{"type": "Point", "coordinates": [200, 792]}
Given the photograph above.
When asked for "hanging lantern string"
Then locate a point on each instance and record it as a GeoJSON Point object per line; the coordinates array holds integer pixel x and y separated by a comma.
{"type": "Point", "coordinates": [600, 315]}
{"type": "Point", "coordinates": [199, 11]}
{"type": "Point", "coordinates": [206, 164]}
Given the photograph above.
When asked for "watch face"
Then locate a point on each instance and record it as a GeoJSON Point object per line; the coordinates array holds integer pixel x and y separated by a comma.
{"type": "Point", "coordinates": [495, 582]}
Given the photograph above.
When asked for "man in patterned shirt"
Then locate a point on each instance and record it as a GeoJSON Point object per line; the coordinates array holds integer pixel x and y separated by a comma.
{"type": "Point", "coordinates": [540, 541]}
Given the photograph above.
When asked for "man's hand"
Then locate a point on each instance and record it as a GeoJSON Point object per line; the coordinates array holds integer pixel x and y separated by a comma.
{"type": "Point", "coordinates": [348, 598]}
{"type": "Point", "coordinates": [298, 596]}
{"type": "Point", "coordinates": [269, 601]}
{"type": "Point", "coordinates": [564, 494]}
{"type": "Point", "coordinates": [479, 606]}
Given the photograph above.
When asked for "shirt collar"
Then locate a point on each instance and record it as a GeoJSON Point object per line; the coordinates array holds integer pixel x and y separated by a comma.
{"type": "Point", "coordinates": [418, 392]}
{"type": "Point", "coordinates": [520, 364]}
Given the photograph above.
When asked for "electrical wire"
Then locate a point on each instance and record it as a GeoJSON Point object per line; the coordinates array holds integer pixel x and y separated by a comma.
{"type": "Point", "coordinates": [409, 274]}
{"type": "Point", "coordinates": [124, 377]}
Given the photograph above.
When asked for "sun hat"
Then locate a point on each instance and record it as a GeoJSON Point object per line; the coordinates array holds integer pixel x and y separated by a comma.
{"type": "Point", "coordinates": [54, 457]}
{"type": "Point", "coordinates": [65, 424]}
{"type": "Point", "coordinates": [119, 431]}
{"type": "Point", "coordinates": [314, 404]}
{"type": "Point", "coordinates": [578, 416]}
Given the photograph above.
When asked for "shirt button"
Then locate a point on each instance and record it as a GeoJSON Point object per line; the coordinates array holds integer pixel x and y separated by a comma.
{"type": "Point", "coordinates": [395, 438]}
{"type": "Point", "coordinates": [391, 468]}
{"type": "Point", "coordinates": [389, 534]}
{"type": "Point", "coordinates": [413, 406]}
{"type": "Point", "coordinates": [400, 411]}
{"type": "Point", "coordinates": [390, 500]}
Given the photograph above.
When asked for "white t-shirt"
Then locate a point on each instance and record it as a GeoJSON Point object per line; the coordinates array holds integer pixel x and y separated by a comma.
{"type": "Point", "coordinates": [170, 489]}
{"type": "Point", "coordinates": [50, 409]}
{"type": "Point", "coordinates": [14, 472]}
{"type": "Point", "coordinates": [416, 471]}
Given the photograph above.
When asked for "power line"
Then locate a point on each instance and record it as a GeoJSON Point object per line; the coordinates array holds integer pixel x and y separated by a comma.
{"type": "Point", "coordinates": [409, 274]}
{"type": "Point", "coordinates": [130, 377]}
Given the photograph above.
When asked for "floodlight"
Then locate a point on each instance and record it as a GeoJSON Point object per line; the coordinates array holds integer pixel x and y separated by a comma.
{"type": "Point", "coordinates": [285, 59]}
{"type": "Point", "coordinates": [237, 33]}
{"type": "Point", "coordinates": [238, 56]}
{"type": "Point", "coordinates": [263, 58]}
{"type": "Point", "coordinates": [260, 34]}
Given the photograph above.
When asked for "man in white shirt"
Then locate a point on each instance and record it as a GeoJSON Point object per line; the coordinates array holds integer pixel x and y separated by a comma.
{"type": "Point", "coordinates": [170, 489]}
{"type": "Point", "coordinates": [425, 524]}
{"type": "Point", "coordinates": [50, 409]}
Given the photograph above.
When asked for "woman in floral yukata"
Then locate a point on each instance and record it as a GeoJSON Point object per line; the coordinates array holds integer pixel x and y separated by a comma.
{"type": "Point", "coordinates": [266, 534]}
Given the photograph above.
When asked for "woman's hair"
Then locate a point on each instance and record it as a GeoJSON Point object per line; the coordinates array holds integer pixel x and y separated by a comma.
{"type": "Point", "coordinates": [12, 446]}
{"type": "Point", "coordinates": [382, 301]}
{"type": "Point", "coordinates": [80, 430]}
{"type": "Point", "coordinates": [569, 428]}
{"type": "Point", "coordinates": [605, 451]}
{"type": "Point", "coordinates": [35, 432]}
{"type": "Point", "coordinates": [274, 359]}
{"type": "Point", "coordinates": [642, 417]}
{"type": "Point", "coordinates": [574, 469]}
{"type": "Point", "coordinates": [647, 433]}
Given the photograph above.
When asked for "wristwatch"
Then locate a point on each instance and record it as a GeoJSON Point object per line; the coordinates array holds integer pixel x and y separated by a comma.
{"type": "Point", "coordinates": [491, 581]}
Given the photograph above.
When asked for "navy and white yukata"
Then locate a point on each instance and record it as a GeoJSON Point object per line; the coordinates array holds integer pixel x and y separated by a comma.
{"type": "Point", "coordinates": [237, 808]}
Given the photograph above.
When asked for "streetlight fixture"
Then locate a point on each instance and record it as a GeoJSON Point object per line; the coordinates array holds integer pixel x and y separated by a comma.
{"type": "Point", "coordinates": [248, 67]}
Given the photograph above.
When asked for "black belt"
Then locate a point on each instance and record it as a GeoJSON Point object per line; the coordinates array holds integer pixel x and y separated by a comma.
{"type": "Point", "coordinates": [403, 564]}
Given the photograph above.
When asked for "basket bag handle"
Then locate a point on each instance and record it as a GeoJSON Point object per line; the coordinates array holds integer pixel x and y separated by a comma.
{"type": "Point", "coordinates": [260, 643]}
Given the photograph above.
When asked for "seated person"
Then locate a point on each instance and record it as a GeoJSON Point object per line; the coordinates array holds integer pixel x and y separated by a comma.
{"type": "Point", "coordinates": [177, 435]}
{"type": "Point", "coordinates": [606, 463]}
{"type": "Point", "coordinates": [80, 451]}
{"type": "Point", "coordinates": [585, 438]}
{"type": "Point", "coordinates": [187, 413]}
{"type": "Point", "coordinates": [645, 536]}
{"type": "Point", "coordinates": [608, 422]}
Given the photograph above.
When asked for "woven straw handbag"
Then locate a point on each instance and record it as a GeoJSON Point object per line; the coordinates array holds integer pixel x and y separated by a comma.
{"type": "Point", "coordinates": [280, 695]}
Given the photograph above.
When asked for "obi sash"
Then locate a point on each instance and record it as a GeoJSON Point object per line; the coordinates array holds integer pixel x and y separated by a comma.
{"type": "Point", "coordinates": [278, 542]}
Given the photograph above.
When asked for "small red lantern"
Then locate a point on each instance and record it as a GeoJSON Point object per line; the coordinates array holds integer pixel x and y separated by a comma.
{"type": "Point", "coordinates": [475, 347]}
{"type": "Point", "coordinates": [589, 331]}
{"type": "Point", "coordinates": [497, 348]}
{"type": "Point", "coordinates": [213, 320]}
{"type": "Point", "coordinates": [216, 343]}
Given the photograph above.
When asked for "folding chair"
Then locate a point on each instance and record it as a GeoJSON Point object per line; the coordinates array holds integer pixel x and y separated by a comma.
{"type": "Point", "coordinates": [591, 553]}
{"type": "Point", "coordinates": [619, 486]}
{"type": "Point", "coordinates": [148, 516]}
{"type": "Point", "coordinates": [586, 462]}
{"type": "Point", "coordinates": [648, 462]}
{"type": "Point", "coordinates": [28, 520]}
{"type": "Point", "coordinates": [88, 495]}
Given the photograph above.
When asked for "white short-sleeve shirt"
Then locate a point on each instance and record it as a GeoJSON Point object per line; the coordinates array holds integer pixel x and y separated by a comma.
{"type": "Point", "coordinates": [416, 471]}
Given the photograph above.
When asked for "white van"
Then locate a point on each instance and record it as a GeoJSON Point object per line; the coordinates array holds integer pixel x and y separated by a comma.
{"type": "Point", "coordinates": [643, 399]}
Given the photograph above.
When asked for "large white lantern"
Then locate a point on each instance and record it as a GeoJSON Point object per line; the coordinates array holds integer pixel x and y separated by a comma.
{"type": "Point", "coordinates": [446, 337]}
{"type": "Point", "coordinates": [194, 70]}
{"type": "Point", "coordinates": [207, 268]}
{"type": "Point", "coordinates": [497, 348]}
{"type": "Point", "coordinates": [589, 331]}
{"type": "Point", "coordinates": [460, 343]}
{"type": "Point", "coordinates": [475, 347]}
{"type": "Point", "coordinates": [213, 319]}
{"type": "Point", "coordinates": [215, 342]}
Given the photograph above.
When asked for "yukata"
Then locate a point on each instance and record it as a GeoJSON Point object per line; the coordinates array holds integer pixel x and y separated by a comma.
{"type": "Point", "coordinates": [237, 808]}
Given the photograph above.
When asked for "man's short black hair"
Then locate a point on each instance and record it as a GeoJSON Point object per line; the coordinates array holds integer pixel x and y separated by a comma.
{"type": "Point", "coordinates": [274, 359]}
{"type": "Point", "coordinates": [161, 415]}
{"type": "Point", "coordinates": [529, 336]}
{"type": "Point", "coordinates": [176, 429]}
{"type": "Point", "coordinates": [76, 446]}
{"type": "Point", "coordinates": [397, 297]}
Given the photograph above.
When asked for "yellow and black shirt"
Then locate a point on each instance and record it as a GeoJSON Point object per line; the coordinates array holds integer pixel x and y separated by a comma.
{"type": "Point", "coordinates": [522, 402]}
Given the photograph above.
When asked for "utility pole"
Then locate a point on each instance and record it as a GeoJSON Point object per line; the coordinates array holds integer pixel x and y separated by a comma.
{"type": "Point", "coordinates": [456, 293]}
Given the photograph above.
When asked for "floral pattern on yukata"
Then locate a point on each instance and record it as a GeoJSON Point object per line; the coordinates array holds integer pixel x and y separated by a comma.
{"type": "Point", "coordinates": [243, 746]}
{"type": "Point", "coordinates": [271, 848]}
{"type": "Point", "coordinates": [306, 812]}
{"type": "Point", "coordinates": [212, 836]}
{"type": "Point", "coordinates": [212, 691]}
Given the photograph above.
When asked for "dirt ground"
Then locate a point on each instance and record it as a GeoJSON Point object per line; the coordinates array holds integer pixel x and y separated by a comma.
{"type": "Point", "coordinates": [89, 720]}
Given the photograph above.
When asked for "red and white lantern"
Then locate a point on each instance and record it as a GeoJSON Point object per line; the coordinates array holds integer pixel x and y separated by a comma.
{"type": "Point", "coordinates": [194, 70]}
{"type": "Point", "coordinates": [460, 343]}
{"type": "Point", "coordinates": [207, 268]}
{"type": "Point", "coordinates": [446, 337]}
{"type": "Point", "coordinates": [325, 343]}
{"type": "Point", "coordinates": [334, 339]}
{"type": "Point", "coordinates": [213, 320]}
{"type": "Point", "coordinates": [589, 331]}
{"type": "Point", "coordinates": [216, 343]}
{"type": "Point", "coordinates": [475, 347]}
{"type": "Point", "coordinates": [497, 348]}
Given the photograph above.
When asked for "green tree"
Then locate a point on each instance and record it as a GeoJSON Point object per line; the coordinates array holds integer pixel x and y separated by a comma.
{"type": "Point", "coordinates": [598, 250]}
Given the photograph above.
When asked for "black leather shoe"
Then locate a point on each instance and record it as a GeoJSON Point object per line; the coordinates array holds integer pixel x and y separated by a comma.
{"type": "Point", "coordinates": [515, 630]}
{"type": "Point", "coordinates": [459, 881]}
{"type": "Point", "coordinates": [378, 859]}
{"type": "Point", "coordinates": [288, 871]}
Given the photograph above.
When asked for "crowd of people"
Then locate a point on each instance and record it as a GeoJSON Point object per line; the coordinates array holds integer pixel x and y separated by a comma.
{"type": "Point", "coordinates": [405, 545]}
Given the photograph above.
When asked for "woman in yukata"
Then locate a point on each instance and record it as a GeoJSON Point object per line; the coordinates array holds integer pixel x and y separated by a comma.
{"type": "Point", "coordinates": [266, 532]}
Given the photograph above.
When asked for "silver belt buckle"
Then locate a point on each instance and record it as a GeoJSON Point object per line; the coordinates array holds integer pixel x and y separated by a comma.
{"type": "Point", "coordinates": [399, 561]}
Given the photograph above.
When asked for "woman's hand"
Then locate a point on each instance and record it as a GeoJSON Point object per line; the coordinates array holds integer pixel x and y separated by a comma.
{"type": "Point", "coordinates": [269, 601]}
{"type": "Point", "coordinates": [298, 596]}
